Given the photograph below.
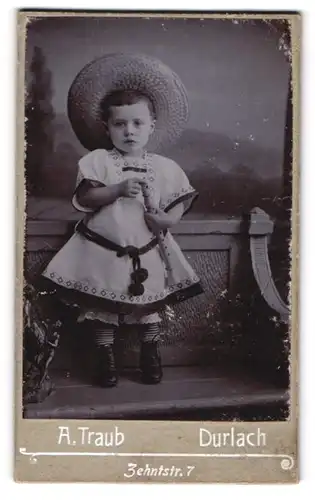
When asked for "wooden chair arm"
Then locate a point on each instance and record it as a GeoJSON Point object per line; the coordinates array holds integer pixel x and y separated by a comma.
{"type": "Point", "coordinates": [261, 226]}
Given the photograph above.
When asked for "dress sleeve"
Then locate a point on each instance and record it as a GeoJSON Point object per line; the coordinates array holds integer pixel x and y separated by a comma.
{"type": "Point", "coordinates": [176, 188]}
{"type": "Point", "coordinates": [92, 167]}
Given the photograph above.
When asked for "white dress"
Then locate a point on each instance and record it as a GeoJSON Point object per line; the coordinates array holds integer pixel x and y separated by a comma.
{"type": "Point", "coordinates": [89, 269]}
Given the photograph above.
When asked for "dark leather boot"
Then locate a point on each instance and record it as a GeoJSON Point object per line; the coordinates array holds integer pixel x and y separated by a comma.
{"type": "Point", "coordinates": [150, 363]}
{"type": "Point", "coordinates": [106, 373]}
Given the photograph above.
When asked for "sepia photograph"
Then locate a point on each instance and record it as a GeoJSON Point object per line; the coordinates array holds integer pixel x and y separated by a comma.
{"type": "Point", "coordinates": [158, 201]}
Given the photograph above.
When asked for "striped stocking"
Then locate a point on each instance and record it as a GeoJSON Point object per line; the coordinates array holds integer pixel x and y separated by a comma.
{"type": "Point", "coordinates": [151, 332]}
{"type": "Point", "coordinates": [104, 333]}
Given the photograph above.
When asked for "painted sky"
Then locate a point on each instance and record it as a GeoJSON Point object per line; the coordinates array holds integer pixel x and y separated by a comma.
{"type": "Point", "coordinates": [235, 74]}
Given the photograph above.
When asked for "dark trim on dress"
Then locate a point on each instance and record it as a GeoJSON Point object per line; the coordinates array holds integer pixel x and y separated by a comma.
{"type": "Point", "coordinates": [82, 299]}
{"type": "Point", "coordinates": [134, 169]}
{"type": "Point", "coordinates": [182, 198]}
{"type": "Point", "coordinates": [89, 183]}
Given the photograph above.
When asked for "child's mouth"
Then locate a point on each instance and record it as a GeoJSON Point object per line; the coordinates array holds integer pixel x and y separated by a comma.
{"type": "Point", "coordinates": [130, 141]}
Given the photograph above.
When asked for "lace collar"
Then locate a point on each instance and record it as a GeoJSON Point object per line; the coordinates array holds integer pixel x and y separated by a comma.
{"type": "Point", "coordinates": [141, 161]}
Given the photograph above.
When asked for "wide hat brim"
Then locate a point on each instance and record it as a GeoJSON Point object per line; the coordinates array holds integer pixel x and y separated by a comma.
{"type": "Point", "coordinates": [121, 71]}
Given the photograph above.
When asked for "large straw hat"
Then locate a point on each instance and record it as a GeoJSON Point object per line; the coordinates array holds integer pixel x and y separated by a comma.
{"type": "Point", "coordinates": [121, 71]}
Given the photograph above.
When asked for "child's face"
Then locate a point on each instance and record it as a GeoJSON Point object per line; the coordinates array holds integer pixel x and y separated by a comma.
{"type": "Point", "coordinates": [130, 127]}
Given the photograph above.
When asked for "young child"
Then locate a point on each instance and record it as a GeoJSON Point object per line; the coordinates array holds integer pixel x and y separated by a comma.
{"type": "Point", "coordinates": [122, 265]}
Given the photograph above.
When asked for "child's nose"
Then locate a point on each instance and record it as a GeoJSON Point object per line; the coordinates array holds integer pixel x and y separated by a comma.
{"type": "Point", "coordinates": [129, 129]}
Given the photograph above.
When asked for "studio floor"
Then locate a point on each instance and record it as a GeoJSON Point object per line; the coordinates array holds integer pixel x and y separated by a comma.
{"type": "Point", "coordinates": [186, 393]}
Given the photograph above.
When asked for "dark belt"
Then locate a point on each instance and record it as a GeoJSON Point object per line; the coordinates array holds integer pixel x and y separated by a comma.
{"type": "Point", "coordinates": [139, 274]}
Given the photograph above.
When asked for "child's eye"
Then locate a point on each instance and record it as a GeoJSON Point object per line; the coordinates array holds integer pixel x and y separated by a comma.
{"type": "Point", "coordinates": [138, 123]}
{"type": "Point", "coordinates": [119, 124]}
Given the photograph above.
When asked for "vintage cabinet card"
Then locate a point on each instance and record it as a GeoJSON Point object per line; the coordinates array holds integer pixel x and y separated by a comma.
{"type": "Point", "coordinates": [156, 299]}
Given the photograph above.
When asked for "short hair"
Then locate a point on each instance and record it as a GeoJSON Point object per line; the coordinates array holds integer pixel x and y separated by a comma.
{"type": "Point", "coordinates": [124, 98]}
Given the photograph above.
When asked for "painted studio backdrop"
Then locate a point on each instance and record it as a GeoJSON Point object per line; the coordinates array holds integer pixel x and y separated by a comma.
{"type": "Point", "coordinates": [236, 151]}
{"type": "Point", "coordinates": [237, 81]}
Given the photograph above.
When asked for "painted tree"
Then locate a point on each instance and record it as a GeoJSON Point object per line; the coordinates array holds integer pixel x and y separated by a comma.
{"type": "Point", "coordinates": [39, 122]}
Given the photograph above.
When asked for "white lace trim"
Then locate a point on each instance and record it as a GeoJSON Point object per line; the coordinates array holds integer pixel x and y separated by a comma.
{"type": "Point", "coordinates": [124, 298]}
{"type": "Point", "coordinates": [113, 319]}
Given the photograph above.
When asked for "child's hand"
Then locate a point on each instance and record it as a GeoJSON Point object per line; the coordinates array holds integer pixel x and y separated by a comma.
{"type": "Point", "coordinates": [158, 221]}
{"type": "Point", "coordinates": [130, 187]}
